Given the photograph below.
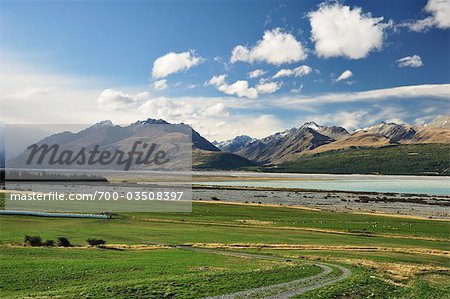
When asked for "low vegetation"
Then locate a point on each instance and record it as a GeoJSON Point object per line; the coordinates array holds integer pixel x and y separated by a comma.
{"type": "Point", "coordinates": [222, 161]}
{"type": "Point", "coordinates": [33, 240]}
{"type": "Point", "coordinates": [96, 242]}
{"type": "Point", "coordinates": [64, 242]}
{"type": "Point", "coordinates": [417, 159]}
{"type": "Point", "coordinates": [402, 257]}
{"type": "Point", "coordinates": [168, 273]}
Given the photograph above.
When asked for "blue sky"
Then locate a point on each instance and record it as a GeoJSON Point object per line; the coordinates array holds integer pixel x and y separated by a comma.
{"type": "Point", "coordinates": [89, 61]}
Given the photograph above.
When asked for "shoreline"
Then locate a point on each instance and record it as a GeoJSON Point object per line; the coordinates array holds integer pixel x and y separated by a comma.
{"type": "Point", "coordinates": [372, 203]}
{"type": "Point", "coordinates": [257, 188]}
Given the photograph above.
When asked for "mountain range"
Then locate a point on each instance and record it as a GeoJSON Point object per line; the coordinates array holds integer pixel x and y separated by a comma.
{"type": "Point", "coordinates": [312, 138]}
{"type": "Point", "coordinates": [172, 138]}
{"type": "Point", "coordinates": [282, 148]}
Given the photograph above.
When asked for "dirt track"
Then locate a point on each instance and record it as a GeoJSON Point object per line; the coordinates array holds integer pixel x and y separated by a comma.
{"type": "Point", "coordinates": [282, 290]}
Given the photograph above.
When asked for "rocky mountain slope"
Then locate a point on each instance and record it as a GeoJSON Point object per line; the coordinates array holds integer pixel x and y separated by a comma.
{"type": "Point", "coordinates": [233, 145]}
{"type": "Point", "coordinates": [441, 122]}
{"type": "Point", "coordinates": [175, 139]}
{"type": "Point", "coordinates": [283, 146]}
{"type": "Point", "coordinates": [312, 138]}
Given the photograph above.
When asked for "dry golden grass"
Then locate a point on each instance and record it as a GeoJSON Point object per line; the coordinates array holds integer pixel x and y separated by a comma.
{"type": "Point", "coordinates": [254, 222]}
{"type": "Point", "coordinates": [436, 252]}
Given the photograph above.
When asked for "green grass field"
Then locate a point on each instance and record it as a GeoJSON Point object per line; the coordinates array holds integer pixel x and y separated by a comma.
{"type": "Point", "coordinates": [380, 242]}
{"type": "Point", "coordinates": [155, 273]}
{"type": "Point", "coordinates": [416, 159]}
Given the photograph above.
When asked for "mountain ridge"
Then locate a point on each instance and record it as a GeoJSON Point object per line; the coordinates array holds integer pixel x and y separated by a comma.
{"type": "Point", "coordinates": [313, 138]}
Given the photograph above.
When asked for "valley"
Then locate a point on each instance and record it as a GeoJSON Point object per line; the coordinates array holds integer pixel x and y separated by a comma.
{"type": "Point", "coordinates": [222, 248]}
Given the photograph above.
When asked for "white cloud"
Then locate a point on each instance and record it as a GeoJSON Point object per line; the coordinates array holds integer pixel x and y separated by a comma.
{"type": "Point", "coordinates": [440, 10]}
{"type": "Point", "coordinates": [209, 116]}
{"type": "Point", "coordinates": [437, 91]}
{"type": "Point", "coordinates": [173, 63]}
{"type": "Point", "coordinates": [410, 61]}
{"type": "Point", "coordinates": [347, 119]}
{"type": "Point", "coordinates": [26, 89]}
{"type": "Point", "coordinates": [256, 73]}
{"type": "Point", "coordinates": [160, 84]}
{"type": "Point", "coordinates": [241, 88]}
{"type": "Point", "coordinates": [297, 90]}
{"type": "Point", "coordinates": [269, 87]}
{"type": "Point", "coordinates": [276, 47]}
{"type": "Point", "coordinates": [29, 93]}
{"type": "Point", "coordinates": [440, 16]}
{"type": "Point", "coordinates": [345, 75]}
{"type": "Point", "coordinates": [337, 30]}
{"type": "Point", "coordinates": [299, 71]}
{"type": "Point", "coordinates": [361, 118]}
{"type": "Point", "coordinates": [218, 80]}
{"type": "Point", "coordinates": [116, 100]}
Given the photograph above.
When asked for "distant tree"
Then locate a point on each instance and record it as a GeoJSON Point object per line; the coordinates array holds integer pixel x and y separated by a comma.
{"type": "Point", "coordinates": [96, 242]}
{"type": "Point", "coordinates": [64, 242]}
{"type": "Point", "coordinates": [33, 240]}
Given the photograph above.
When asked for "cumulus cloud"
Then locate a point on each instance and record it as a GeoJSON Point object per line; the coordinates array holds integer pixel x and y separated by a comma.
{"type": "Point", "coordinates": [173, 63]}
{"type": "Point", "coordinates": [345, 75]}
{"type": "Point", "coordinates": [337, 30]}
{"type": "Point", "coordinates": [179, 109]}
{"type": "Point", "coordinates": [241, 88]}
{"type": "Point", "coordinates": [440, 16]}
{"type": "Point", "coordinates": [410, 61]}
{"type": "Point", "coordinates": [276, 47]}
{"type": "Point", "coordinates": [209, 116]}
{"type": "Point", "coordinates": [160, 84]}
{"type": "Point", "coordinates": [299, 71]}
{"type": "Point", "coordinates": [218, 80]}
{"type": "Point", "coordinates": [256, 73]}
{"type": "Point", "coordinates": [269, 87]}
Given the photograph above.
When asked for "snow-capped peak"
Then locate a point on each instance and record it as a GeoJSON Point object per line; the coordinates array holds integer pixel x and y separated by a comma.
{"type": "Point", "coordinates": [103, 123]}
{"type": "Point", "coordinates": [312, 125]}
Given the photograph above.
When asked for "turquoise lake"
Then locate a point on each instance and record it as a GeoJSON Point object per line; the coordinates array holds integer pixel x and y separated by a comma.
{"type": "Point", "coordinates": [364, 183]}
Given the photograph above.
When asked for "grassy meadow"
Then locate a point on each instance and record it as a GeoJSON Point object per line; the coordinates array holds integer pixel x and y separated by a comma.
{"type": "Point", "coordinates": [400, 256]}
{"type": "Point", "coordinates": [413, 159]}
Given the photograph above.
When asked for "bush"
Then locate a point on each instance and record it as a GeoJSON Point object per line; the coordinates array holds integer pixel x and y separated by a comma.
{"type": "Point", "coordinates": [96, 242]}
{"type": "Point", "coordinates": [49, 243]}
{"type": "Point", "coordinates": [33, 240]}
{"type": "Point", "coordinates": [64, 242]}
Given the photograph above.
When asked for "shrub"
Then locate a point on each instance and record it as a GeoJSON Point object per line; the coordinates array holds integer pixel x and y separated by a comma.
{"type": "Point", "coordinates": [64, 242]}
{"type": "Point", "coordinates": [49, 243]}
{"type": "Point", "coordinates": [96, 242]}
{"type": "Point", "coordinates": [33, 240]}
